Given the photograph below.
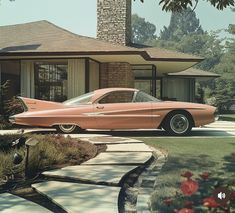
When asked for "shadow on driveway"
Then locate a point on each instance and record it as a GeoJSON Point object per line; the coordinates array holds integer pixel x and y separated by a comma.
{"type": "Point", "coordinates": [196, 132]}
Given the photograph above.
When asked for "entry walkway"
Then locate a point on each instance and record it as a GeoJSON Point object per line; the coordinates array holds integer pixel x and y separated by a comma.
{"type": "Point", "coordinates": [96, 185]}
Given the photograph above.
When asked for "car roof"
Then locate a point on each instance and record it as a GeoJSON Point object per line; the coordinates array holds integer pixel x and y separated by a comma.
{"type": "Point", "coordinates": [100, 92]}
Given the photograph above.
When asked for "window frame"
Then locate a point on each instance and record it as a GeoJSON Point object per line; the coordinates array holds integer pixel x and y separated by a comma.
{"type": "Point", "coordinates": [106, 94]}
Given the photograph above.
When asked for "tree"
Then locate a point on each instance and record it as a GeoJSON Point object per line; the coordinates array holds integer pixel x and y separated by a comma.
{"type": "Point", "coordinates": [181, 24]}
{"type": "Point", "coordinates": [186, 35]}
{"type": "Point", "coordinates": [223, 90]}
{"type": "Point", "coordinates": [142, 30]}
{"type": "Point", "coordinates": [180, 5]}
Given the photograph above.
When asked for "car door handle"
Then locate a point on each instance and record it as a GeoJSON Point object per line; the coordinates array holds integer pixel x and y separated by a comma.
{"type": "Point", "coordinates": [100, 107]}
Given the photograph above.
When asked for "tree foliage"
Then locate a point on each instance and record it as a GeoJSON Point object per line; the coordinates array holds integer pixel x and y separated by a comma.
{"type": "Point", "coordinates": [180, 5]}
{"type": "Point", "coordinates": [142, 30]}
{"type": "Point", "coordinates": [181, 24]}
{"type": "Point", "coordinates": [185, 34]}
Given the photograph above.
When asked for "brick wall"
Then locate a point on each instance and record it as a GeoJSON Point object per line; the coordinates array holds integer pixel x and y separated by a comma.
{"type": "Point", "coordinates": [116, 74]}
{"type": "Point", "coordinates": [114, 21]}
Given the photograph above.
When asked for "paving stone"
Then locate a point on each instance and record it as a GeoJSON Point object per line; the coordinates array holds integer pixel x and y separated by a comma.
{"type": "Point", "coordinates": [132, 147]}
{"type": "Point", "coordinates": [120, 158]}
{"type": "Point", "coordinates": [10, 203]}
{"type": "Point", "coordinates": [148, 183]}
{"type": "Point", "coordinates": [143, 203]}
{"type": "Point", "coordinates": [74, 197]}
{"type": "Point", "coordinates": [85, 135]}
{"type": "Point", "coordinates": [109, 174]}
{"type": "Point", "coordinates": [112, 140]}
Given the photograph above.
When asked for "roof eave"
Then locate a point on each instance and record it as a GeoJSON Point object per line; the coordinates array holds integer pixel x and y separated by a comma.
{"type": "Point", "coordinates": [144, 54]}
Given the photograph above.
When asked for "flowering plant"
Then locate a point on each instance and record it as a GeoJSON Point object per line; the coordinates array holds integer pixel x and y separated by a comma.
{"type": "Point", "coordinates": [196, 195]}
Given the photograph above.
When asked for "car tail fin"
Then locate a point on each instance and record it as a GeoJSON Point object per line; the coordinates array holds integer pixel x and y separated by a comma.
{"type": "Point", "coordinates": [30, 104]}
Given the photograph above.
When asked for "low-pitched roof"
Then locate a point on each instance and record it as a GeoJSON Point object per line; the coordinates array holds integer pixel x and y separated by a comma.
{"type": "Point", "coordinates": [192, 72]}
{"type": "Point", "coordinates": [45, 38]}
{"type": "Point", "coordinates": [164, 54]}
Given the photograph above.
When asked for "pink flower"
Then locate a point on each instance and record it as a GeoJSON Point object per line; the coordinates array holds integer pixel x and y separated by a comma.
{"type": "Point", "coordinates": [187, 174]}
{"type": "Point", "coordinates": [189, 187]}
{"type": "Point", "coordinates": [210, 202]}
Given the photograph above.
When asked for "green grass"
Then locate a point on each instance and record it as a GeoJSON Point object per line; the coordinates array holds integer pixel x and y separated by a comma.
{"type": "Point", "coordinates": [197, 155]}
{"type": "Point", "coordinates": [227, 117]}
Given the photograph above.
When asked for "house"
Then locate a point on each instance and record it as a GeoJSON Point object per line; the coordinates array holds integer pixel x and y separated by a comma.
{"type": "Point", "coordinates": [44, 61]}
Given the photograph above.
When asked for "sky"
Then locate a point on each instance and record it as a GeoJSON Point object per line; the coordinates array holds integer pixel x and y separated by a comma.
{"type": "Point", "coordinates": [79, 16]}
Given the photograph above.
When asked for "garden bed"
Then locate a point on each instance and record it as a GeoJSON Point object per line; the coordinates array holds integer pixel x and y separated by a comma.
{"type": "Point", "coordinates": [52, 151]}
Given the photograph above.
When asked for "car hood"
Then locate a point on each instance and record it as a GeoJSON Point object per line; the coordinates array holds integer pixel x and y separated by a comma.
{"type": "Point", "coordinates": [183, 105]}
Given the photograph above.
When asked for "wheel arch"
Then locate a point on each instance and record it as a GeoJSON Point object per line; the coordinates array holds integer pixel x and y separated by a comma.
{"type": "Point", "coordinates": [177, 111]}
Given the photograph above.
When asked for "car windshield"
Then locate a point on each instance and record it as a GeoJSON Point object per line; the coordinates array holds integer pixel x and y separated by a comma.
{"type": "Point", "coordinates": [144, 97]}
{"type": "Point", "coordinates": [80, 100]}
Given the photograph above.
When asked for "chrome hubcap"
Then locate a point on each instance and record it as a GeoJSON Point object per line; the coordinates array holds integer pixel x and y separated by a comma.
{"type": "Point", "coordinates": [67, 128]}
{"type": "Point", "coordinates": [179, 123]}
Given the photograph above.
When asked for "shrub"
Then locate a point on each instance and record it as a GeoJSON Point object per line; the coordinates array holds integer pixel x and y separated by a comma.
{"type": "Point", "coordinates": [51, 151]}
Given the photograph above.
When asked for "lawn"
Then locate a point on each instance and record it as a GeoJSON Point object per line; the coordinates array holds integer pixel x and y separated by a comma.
{"type": "Point", "coordinates": [227, 117]}
{"type": "Point", "coordinates": [211, 155]}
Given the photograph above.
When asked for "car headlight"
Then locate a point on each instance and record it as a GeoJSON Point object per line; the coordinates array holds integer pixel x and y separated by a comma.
{"type": "Point", "coordinates": [12, 119]}
{"type": "Point", "coordinates": [216, 115]}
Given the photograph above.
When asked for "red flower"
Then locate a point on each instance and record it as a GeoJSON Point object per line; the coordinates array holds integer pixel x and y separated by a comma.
{"type": "Point", "coordinates": [184, 210]}
{"type": "Point", "coordinates": [204, 175]}
{"type": "Point", "coordinates": [168, 201]}
{"type": "Point", "coordinates": [210, 202]}
{"type": "Point", "coordinates": [188, 204]}
{"type": "Point", "coordinates": [187, 174]}
{"type": "Point", "coordinates": [189, 187]}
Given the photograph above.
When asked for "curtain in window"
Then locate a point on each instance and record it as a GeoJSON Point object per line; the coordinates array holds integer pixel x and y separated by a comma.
{"type": "Point", "coordinates": [76, 77]}
{"type": "Point", "coordinates": [27, 79]}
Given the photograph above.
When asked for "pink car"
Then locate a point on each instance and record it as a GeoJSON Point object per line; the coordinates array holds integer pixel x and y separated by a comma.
{"type": "Point", "coordinates": [115, 108]}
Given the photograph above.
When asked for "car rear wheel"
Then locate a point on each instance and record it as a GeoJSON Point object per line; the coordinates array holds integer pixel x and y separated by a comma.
{"type": "Point", "coordinates": [178, 123]}
{"type": "Point", "coordinates": [67, 129]}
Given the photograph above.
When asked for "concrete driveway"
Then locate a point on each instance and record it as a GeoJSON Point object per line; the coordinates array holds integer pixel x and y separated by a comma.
{"type": "Point", "coordinates": [216, 129]}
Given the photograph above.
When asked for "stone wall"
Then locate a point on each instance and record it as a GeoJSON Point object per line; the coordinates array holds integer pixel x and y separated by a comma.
{"type": "Point", "coordinates": [114, 21]}
{"type": "Point", "coordinates": [117, 74]}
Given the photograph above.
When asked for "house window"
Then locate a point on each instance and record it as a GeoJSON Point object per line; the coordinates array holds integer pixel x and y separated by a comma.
{"type": "Point", "coordinates": [146, 80]}
{"type": "Point", "coordinates": [51, 81]}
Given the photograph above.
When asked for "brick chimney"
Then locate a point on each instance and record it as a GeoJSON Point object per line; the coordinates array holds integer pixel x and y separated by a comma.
{"type": "Point", "coordinates": [114, 21]}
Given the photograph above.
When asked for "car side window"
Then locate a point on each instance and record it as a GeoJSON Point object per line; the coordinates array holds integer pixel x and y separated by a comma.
{"type": "Point", "coordinates": [117, 97]}
{"type": "Point", "coordinates": [143, 97]}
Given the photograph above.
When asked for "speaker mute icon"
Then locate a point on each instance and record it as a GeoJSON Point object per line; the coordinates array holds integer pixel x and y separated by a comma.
{"type": "Point", "coordinates": [221, 195]}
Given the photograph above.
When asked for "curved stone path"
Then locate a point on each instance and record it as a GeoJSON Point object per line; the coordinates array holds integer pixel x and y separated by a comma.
{"type": "Point", "coordinates": [96, 185]}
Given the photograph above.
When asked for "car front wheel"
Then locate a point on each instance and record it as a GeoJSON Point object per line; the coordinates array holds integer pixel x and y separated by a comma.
{"type": "Point", "coordinates": [67, 129]}
{"type": "Point", "coordinates": [178, 124]}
